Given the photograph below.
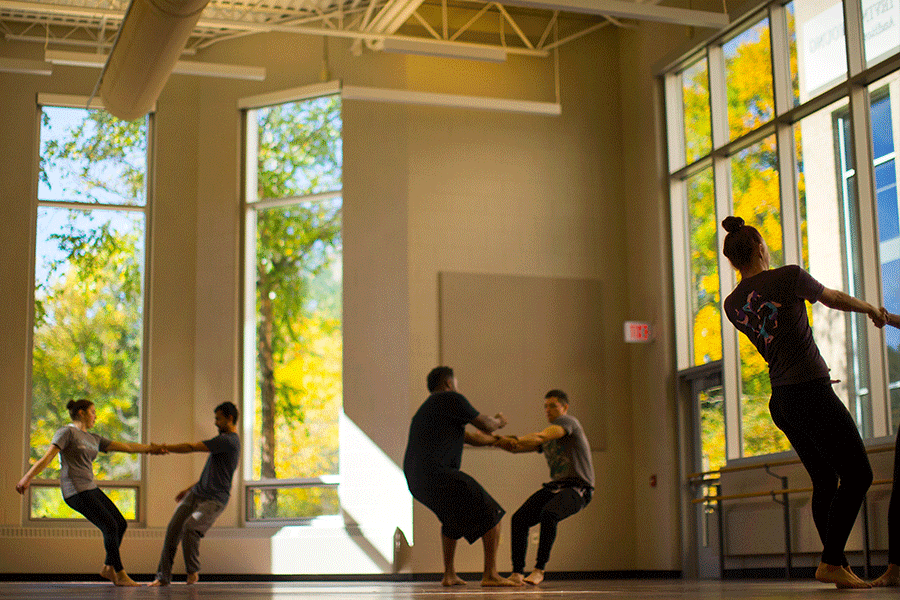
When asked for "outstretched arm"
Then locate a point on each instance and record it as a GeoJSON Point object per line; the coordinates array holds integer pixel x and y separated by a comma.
{"type": "Point", "coordinates": [841, 301]}
{"type": "Point", "coordinates": [36, 468]}
{"type": "Point", "coordinates": [891, 318]}
{"type": "Point", "coordinates": [532, 441]}
{"type": "Point", "coordinates": [479, 438]}
{"type": "Point", "coordinates": [135, 448]}
{"type": "Point", "coordinates": [186, 447]}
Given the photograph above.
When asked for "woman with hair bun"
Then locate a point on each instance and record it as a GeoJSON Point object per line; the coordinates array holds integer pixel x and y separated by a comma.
{"type": "Point", "coordinates": [77, 449]}
{"type": "Point", "coordinates": [768, 306]}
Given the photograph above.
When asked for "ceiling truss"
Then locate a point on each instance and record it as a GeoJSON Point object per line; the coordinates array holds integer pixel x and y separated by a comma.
{"type": "Point", "coordinates": [92, 24]}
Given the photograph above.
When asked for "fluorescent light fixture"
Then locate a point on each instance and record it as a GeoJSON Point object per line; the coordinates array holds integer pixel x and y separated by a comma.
{"type": "Point", "coordinates": [440, 48]}
{"type": "Point", "coordinates": [69, 101]}
{"type": "Point", "coordinates": [184, 67]}
{"type": "Point", "coordinates": [296, 94]}
{"type": "Point", "coordinates": [25, 67]}
{"type": "Point", "coordinates": [353, 92]}
{"type": "Point", "coordinates": [74, 59]}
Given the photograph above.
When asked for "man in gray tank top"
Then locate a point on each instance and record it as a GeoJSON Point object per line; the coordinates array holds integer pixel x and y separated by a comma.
{"type": "Point", "coordinates": [568, 455]}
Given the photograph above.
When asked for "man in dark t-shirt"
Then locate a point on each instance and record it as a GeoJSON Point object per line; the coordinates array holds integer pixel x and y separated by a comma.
{"type": "Point", "coordinates": [431, 465]}
{"type": "Point", "coordinates": [202, 503]}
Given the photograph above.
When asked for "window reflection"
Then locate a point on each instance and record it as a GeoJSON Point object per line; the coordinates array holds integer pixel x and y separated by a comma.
{"type": "Point", "coordinates": [881, 29]}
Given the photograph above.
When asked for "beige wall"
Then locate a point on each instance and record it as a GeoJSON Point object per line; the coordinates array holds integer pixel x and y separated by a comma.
{"type": "Point", "coordinates": [651, 410]}
{"type": "Point", "coordinates": [426, 190]}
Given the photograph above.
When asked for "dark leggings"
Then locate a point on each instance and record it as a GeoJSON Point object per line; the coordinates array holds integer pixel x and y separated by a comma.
{"type": "Point", "coordinates": [894, 510]}
{"type": "Point", "coordinates": [547, 508]}
{"type": "Point", "coordinates": [825, 438]}
{"type": "Point", "coordinates": [100, 510]}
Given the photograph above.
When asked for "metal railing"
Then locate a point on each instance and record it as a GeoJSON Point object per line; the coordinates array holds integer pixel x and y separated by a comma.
{"type": "Point", "coordinates": [712, 478]}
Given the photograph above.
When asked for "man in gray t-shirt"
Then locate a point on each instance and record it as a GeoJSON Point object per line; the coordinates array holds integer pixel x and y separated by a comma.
{"type": "Point", "coordinates": [202, 503]}
{"type": "Point", "coordinates": [568, 455]}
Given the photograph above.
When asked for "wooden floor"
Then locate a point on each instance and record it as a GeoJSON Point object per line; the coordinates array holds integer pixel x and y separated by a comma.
{"type": "Point", "coordinates": [556, 590]}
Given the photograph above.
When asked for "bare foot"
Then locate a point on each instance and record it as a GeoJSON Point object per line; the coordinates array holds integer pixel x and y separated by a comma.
{"type": "Point", "coordinates": [840, 577]}
{"type": "Point", "coordinates": [192, 578]}
{"type": "Point", "coordinates": [535, 577]}
{"type": "Point", "coordinates": [157, 583]}
{"type": "Point", "coordinates": [891, 577]}
{"type": "Point", "coordinates": [498, 581]}
{"type": "Point", "coordinates": [853, 575]}
{"type": "Point", "coordinates": [107, 572]}
{"type": "Point", "coordinates": [517, 578]}
{"type": "Point", "coordinates": [123, 580]}
{"type": "Point", "coordinates": [451, 580]}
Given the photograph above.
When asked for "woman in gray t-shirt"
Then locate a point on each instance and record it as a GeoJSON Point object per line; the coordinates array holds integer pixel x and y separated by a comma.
{"type": "Point", "coordinates": [77, 449]}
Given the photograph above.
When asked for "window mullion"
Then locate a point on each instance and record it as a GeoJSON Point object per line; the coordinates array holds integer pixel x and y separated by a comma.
{"type": "Point", "coordinates": [675, 121]}
{"type": "Point", "coordinates": [718, 98]}
{"type": "Point", "coordinates": [861, 132]}
{"type": "Point", "coordinates": [681, 271]}
{"type": "Point", "coordinates": [787, 181]}
{"type": "Point", "coordinates": [854, 37]}
{"type": "Point", "coordinates": [781, 56]}
{"type": "Point", "coordinates": [731, 382]}
{"type": "Point", "coordinates": [784, 135]}
{"type": "Point", "coordinates": [731, 372]}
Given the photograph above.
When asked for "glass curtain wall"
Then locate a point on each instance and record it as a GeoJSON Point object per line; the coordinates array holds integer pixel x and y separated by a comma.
{"type": "Point", "coordinates": [764, 123]}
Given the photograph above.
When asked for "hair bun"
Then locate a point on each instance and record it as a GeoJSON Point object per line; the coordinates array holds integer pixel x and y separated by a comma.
{"type": "Point", "coordinates": [69, 404]}
{"type": "Point", "coordinates": [732, 224]}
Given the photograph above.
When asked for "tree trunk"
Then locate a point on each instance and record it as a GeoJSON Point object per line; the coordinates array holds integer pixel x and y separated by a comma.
{"type": "Point", "coordinates": [269, 499]}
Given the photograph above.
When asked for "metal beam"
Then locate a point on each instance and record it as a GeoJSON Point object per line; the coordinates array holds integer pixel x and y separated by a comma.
{"type": "Point", "coordinates": [630, 10]}
{"type": "Point", "coordinates": [615, 8]}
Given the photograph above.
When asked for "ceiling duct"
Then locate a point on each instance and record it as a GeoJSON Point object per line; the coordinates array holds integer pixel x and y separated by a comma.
{"type": "Point", "coordinates": [149, 43]}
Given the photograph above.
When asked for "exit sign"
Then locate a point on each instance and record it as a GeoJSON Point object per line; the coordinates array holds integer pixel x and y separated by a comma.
{"type": "Point", "coordinates": [637, 331]}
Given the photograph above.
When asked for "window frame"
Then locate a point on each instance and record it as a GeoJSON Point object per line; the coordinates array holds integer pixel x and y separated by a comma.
{"type": "Point", "coordinates": [50, 100]}
{"type": "Point", "coordinates": [249, 209]}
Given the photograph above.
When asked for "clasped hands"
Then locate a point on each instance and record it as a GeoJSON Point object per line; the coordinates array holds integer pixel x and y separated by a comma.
{"type": "Point", "coordinates": [510, 443]}
{"type": "Point", "coordinates": [885, 318]}
{"type": "Point", "coordinates": [157, 449]}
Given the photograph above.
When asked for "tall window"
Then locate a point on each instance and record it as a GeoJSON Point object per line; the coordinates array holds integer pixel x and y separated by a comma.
{"type": "Point", "coordinates": [790, 153]}
{"type": "Point", "coordinates": [89, 288]}
{"type": "Point", "coordinates": [293, 341]}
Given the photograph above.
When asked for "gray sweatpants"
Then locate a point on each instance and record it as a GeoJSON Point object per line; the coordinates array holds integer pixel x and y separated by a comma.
{"type": "Point", "coordinates": [193, 517]}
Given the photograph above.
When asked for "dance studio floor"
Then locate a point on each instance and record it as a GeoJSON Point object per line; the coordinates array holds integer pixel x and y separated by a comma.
{"type": "Point", "coordinates": [554, 590]}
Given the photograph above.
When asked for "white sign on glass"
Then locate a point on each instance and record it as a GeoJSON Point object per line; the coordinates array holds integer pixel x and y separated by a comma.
{"type": "Point", "coordinates": [824, 49]}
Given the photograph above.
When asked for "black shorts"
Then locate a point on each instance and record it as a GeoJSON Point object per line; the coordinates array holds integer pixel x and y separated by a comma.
{"type": "Point", "coordinates": [460, 503]}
